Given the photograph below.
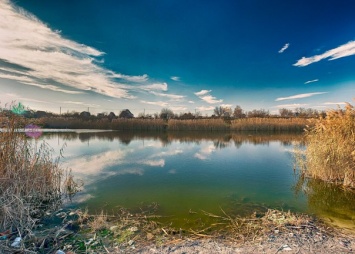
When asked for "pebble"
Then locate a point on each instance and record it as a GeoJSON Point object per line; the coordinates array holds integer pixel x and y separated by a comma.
{"type": "Point", "coordinates": [17, 242]}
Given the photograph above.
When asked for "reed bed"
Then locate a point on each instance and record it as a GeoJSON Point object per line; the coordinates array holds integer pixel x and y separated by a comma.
{"type": "Point", "coordinates": [209, 124]}
{"type": "Point", "coordinates": [139, 124]}
{"type": "Point", "coordinates": [330, 152]}
{"type": "Point", "coordinates": [31, 182]}
{"type": "Point", "coordinates": [197, 125]}
{"type": "Point", "coordinates": [269, 124]}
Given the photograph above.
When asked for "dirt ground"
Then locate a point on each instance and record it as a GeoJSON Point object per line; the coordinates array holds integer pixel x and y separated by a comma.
{"type": "Point", "coordinates": [295, 240]}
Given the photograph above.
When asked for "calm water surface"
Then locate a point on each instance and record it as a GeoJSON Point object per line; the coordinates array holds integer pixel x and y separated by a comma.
{"type": "Point", "coordinates": [193, 172]}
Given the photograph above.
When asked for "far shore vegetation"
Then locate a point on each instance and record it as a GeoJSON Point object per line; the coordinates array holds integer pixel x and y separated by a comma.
{"type": "Point", "coordinates": [223, 119]}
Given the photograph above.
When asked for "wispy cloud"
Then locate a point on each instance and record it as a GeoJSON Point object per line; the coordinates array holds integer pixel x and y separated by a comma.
{"type": "Point", "coordinates": [203, 108]}
{"type": "Point", "coordinates": [154, 163]}
{"type": "Point", "coordinates": [178, 108]}
{"type": "Point", "coordinates": [174, 97]}
{"type": "Point", "coordinates": [296, 105]}
{"type": "Point", "coordinates": [344, 50]}
{"type": "Point", "coordinates": [284, 48]}
{"type": "Point", "coordinates": [299, 96]}
{"type": "Point", "coordinates": [334, 103]}
{"type": "Point", "coordinates": [205, 96]}
{"type": "Point", "coordinates": [226, 105]}
{"type": "Point", "coordinates": [311, 81]}
{"type": "Point", "coordinates": [33, 54]}
{"type": "Point", "coordinates": [202, 92]}
{"type": "Point", "coordinates": [155, 86]}
{"type": "Point", "coordinates": [80, 103]}
{"type": "Point", "coordinates": [157, 103]}
{"type": "Point", "coordinates": [175, 78]}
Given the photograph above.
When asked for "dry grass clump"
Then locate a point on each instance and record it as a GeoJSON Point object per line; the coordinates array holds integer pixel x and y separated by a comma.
{"type": "Point", "coordinates": [330, 153]}
{"type": "Point", "coordinates": [31, 182]}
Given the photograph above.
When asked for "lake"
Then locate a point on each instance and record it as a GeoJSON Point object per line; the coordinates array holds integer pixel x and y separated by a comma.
{"type": "Point", "coordinates": [185, 174]}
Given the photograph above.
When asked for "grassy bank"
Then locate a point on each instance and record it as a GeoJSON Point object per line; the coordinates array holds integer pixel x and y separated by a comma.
{"type": "Point", "coordinates": [31, 183]}
{"type": "Point", "coordinates": [330, 152]}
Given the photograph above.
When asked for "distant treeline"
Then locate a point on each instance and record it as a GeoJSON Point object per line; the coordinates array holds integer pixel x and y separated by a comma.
{"type": "Point", "coordinates": [223, 119]}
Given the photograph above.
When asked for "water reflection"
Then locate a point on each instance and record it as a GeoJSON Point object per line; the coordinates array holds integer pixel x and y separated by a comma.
{"type": "Point", "coordinates": [220, 139]}
{"type": "Point", "coordinates": [331, 202]}
{"type": "Point", "coordinates": [196, 171]}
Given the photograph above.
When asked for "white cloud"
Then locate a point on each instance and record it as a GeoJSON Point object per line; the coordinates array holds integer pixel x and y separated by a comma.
{"type": "Point", "coordinates": [191, 102]}
{"type": "Point", "coordinates": [41, 57]}
{"type": "Point", "coordinates": [311, 81]}
{"type": "Point", "coordinates": [80, 103]}
{"type": "Point", "coordinates": [173, 97]}
{"type": "Point", "coordinates": [95, 164]}
{"type": "Point", "coordinates": [299, 96]}
{"type": "Point", "coordinates": [175, 78]}
{"type": "Point", "coordinates": [203, 108]}
{"type": "Point", "coordinates": [205, 96]}
{"type": "Point", "coordinates": [157, 103]}
{"type": "Point", "coordinates": [292, 105]}
{"type": "Point", "coordinates": [334, 103]}
{"type": "Point", "coordinates": [203, 92]}
{"type": "Point", "coordinates": [167, 153]}
{"type": "Point", "coordinates": [284, 48]}
{"type": "Point", "coordinates": [210, 99]}
{"type": "Point", "coordinates": [205, 152]}
{"type": "Point", "coordinates": [344, 50]}
{"type": "Point", "coordinates": [155, 86]}
{"type": "Point", "coordinates": [178, 108]}
{"type": "Point", "coordinates": [154, 163]}
{"type": "Point", "coordinates": [226, 105]}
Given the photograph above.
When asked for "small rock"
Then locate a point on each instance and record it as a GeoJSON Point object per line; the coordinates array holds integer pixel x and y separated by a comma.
{"type": "Point", "coordinates": [130, 242]}
{"type": "Point", "coordinates": [61, 215]}
{"type": "Point", "coordinates": [17, 242]}
{"type": "Point", "coordinates": [286, 247]}
{"type": "Point", "coordinates": [277, 231]}
{"type": "Point", "coordinates": [60, 252]}
{"type": "Point", "coordinates": [150, 236]}
{"type": "Point", "coordinates": [133, 229]}
{"type": "Point", "coordinates": [113, 228]}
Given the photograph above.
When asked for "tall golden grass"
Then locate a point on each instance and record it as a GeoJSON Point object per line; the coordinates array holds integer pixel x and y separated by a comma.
{"type": "Point", "coordinates": [269, 124]}
{"type": "Point", "coordinates": [330, 152]}
{"type": "Point", "coordinates": [254, 124]}
{"type": "Point", "coordinates": [31, 181]}
{"type": "Point", "coordinates": [198, 125]}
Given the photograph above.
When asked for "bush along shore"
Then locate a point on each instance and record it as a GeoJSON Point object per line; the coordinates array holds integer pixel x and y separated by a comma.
{"type": "Point", "coordinates": [330, 148]}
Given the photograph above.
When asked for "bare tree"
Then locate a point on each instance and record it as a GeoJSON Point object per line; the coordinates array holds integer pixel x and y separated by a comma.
{"type": "Point", "coordinates": [222, 111]}
{"type": "Point", "coordinates": [166, 113]}
{"type": "Point", "coordinates": [284, 112]}
{"type": "Point", "coordinates": [238, 112]}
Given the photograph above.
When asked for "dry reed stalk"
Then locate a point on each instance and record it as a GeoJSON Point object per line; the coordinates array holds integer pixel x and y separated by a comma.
{"type": "Point", "coordinates": [31, 180]}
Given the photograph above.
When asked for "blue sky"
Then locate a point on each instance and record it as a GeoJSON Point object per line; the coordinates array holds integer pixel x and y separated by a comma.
{"type": "Point", "coordinates": [183, 55]}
